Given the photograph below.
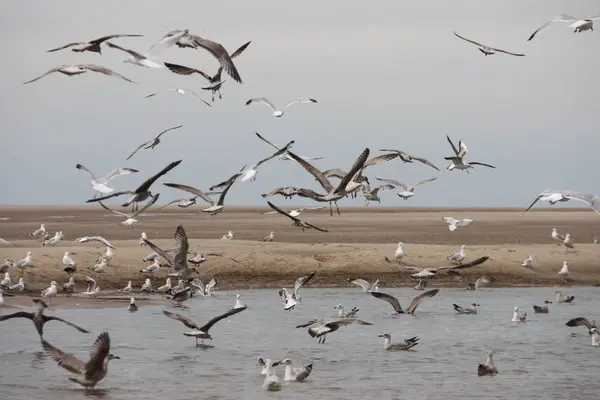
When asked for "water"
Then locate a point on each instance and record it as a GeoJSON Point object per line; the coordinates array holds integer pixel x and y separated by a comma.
{"type": "Point", "coordinates": [539, 359]}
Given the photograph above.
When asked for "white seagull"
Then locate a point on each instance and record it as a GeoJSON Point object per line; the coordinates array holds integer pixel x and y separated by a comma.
{"type": "Point", "coordinates": [557, 236]}
{"type": "Point", "coordinates": [290, 300]}
{"type": "Point", "coordinates": [409, 191]}
{"type": "Point", "coordinates": [50, 292]}
{"type": "Point", "coordinates": [367, 287]}
{"type": "Point", "coordinates": [528, 262]}
{"type": "Point", "coordinates": [278, 113]}
{"type": "Point", "coordinates": [295, 374]}
{"type": "Point", "coordinates": [99, 184]}
{"type": "Point", "coordinates": [486, 50]}
{"type": "Point", "coordinates": [564, 271]}
{"type": "Point", "coordinates": [518, 316]}
{"type": "Point", "coordinates": [77, 69]}
{"type": "Point", "coordinates": [555, 196]}
{"type": "Point", "coordinates": [458, 257]}
{"type": "Point", "coordinates": [319, 328]}
{"type": "Point", "coordinates": [136, 58]}
{"type": "Point", "coordinates": [250, 173]}
{"type": "Point", "coordinates": [131, 218]}
{"type": "Point", "coordinates": [455, 223]}
{"type": "Point", "coordinates": [98, 239]}
{"type": "Point", "coordinates": [39, 232]}
{"type": "Point", "coordinates": [579, 25]}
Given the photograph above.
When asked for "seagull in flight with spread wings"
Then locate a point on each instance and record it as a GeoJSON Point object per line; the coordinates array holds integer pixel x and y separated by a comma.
{"type": "Point", "coordinates": [487, 50]}
{"type": "Point", "coordinates": [579, 25]}
{"type": "Point", "coordinates": [201, 332]}
{"type": "Point", "coordinates": [413, 304]}
{"type": "Point", "coordinates": [99, 184]}
{"type": "Point", "coordinates": [285, 156]}
{"type": "Point", "coordinates": [151, 144]}
{"type": "Point", "coordinates": [92, 45]}
{"type": "Point", "coordinates": [555, 196]}
{"type": "Point", "coordinates": [276, 112]}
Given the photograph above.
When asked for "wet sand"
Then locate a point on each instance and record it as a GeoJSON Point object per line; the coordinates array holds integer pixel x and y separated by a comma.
{"type": "Point", "coordinates": [355, 246]}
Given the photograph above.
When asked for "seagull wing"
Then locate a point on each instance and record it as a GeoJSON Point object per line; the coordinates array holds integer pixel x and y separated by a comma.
{"type": "Point", "coordinates": [380, 159]}
{"type": "Point", "coordinates": [277, 153]}
{"type": "Point", "coordinates": [303, 280]}
{"type": "Point", "coordinates": [82, 168]}
{"type": "Point", "coordinates": [315, 227]}
{"type": "Point", "coordinates": [219, 52]}
{"type": "Point", "coordinates": [105, 71]}
{"type": "Point", "coordinates": [323, 181]}
{"type": "Point", "coordinates": [459, 277]}
{"type": "Point", "coordinates": [232, 180]}
{"type": "Point", "coordinates": [108, 37]}
{"type": "Point", "coordinates": [91, 284]}
{"type": "Point", "coordinates": [140, 146]}
{"type": "Point", "coordinates": [132, 53]}
{"type": "Point", "coordinates": [507, 52]}
{"type": "Point", "coordinates": [168, 130]}
{"type": "Point", "coordinates": [393, 182]}
{"type": "Point", "coordinates": [419, 299]}
{"type": "Point", "coordinates": [160, 252]}
{"type": "Point", "coordinates": [468, 40]}
{"type": "Point", "coordinates": [563, 18]}
{"type": "Point", "coordinates": [182, 246]}
{"type": "Point", "coordinates": [240, 50]}
{"type": "Point", "coordinates": [425, 181]}
{"type": "Point", "coordinates": [280, 211]}
{"type": "Point", "coordinates": [50, 318]}
{"type": "Point", "coordinates": [116, 172]}
{"type": "Point", "coordinates": [65, 360]}
{"type": "Point", "coordinates": [213, 321]}
{"type": "Point", "coordinates": [359, 164]}
{"type": "Point", "coordinates": [361, 282]}
{"type": "Point", "coordinates": [452, 144]}
{"type": "Point", "coordinates": [348, 321]}
{"type": "Point", "coordinates": [184, 320]}
{"type": "Point", "coordinates": [473, 263]}
{"type": "Point", "coordinates": [335, 173]}
{"type": "Point", "coordinates": [262, 100]}
{"type": "Point", "coordinates": [99, 239]}
{"type": "Point", "coordinates": [44, 74]}
{"type": "Point", "coordinates": [480, 163]}
{"type": "Point", "coordinates": [424, 161]}
{"type": "Point", "coordinates": [183, 70]}
{"type": "Point", "coordinates": [65, 46]}
{"type": "Point", "coordinates": [265, 140]}
{"type": "Point", "coordinates": [535, 201]}
{"type": "Point", "coordinates": [113, 211]}
{"type": "Point", "coordinates": [390, 299]}
{"type": "Point", "coordinates": [146, 206]}
{"type": "Point", "coordinates": [579, 321]}
{"type": "Point", "coordinates": [307, 100]}
{"type": "Point", "coordinates": [168, 40]}
{"type": "Point", "coordinates": [146, 185]}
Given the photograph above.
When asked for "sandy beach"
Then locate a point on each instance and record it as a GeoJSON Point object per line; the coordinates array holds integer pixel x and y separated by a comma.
{"type": "Point", "coordinates": [356, 245]}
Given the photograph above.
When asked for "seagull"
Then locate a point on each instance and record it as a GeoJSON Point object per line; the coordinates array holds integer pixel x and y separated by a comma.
{"type": "Point", "coordinates": [458, 257]}
{"type": "Point", "coordinates": [151, 144]}
{"type": "Point", "coordinates": [290, 301]}
{"type": "Point", "coordinates": [179, 261]}
{"type": "Point", "coordinates": [58, 236]}
{"type": "Point", "coordinates": [38, 317]}
{"type": "Point", "coordinates": [136, 58]}
{"type": "Point", "coordinates": [320, 328]}
{"type": "Point", "coordinates": [200, 258]}
{"type": "Point", "coordinates": [205, 291]}
{"type": "Point", "coordinates": [484, 280]}
{"type": "Point", "coordinates": [295, 374]}
{"type": "Point", "coordinates": [98, 239]}
{"type": "Point", "coordinates": [426, 273]}
{"type": "Point", "coordinates": [466, 310]}
{"type": "Point", "coordinates": [455, 223]}
{"type": "Point", "coordinates": [181, 203]}
{"type": "Point", "coordinates": [68, 262]}
{"type": "Point", "coordinates": [171, 38]}
{"type": "Point", "coordinates": [92, 45]}
{"type": "Point", "coordinates": [557, 236]}
{"type": "Point", "coordinates": [127, 289]}
{"type": "Point", "coordinates": [595, 337]}
{"type": "Point", "coordinates": [143, 191]}
{"type": "Point", "coordinates": [51, 291]}
{"type": "Point", "coordinates": [77, 69]}
{"type": "Point", "coordinates": [18, 287]}
{"type": "Point", "coordinates": [458, 160]}
{"type": "Point", "coordinates": [4, 242]}
{"type": "Point", "coordinates": [285, 156]}
{"type": "Point", "coordinates": [287, 192]}
{"type": "Point", "coordinates": [343, 314]}
{"type": "Point", "coordinates": [518, 316]}
{"type": "Point", "coordinates": [6, 282]}
{"type": "Point", "coordinates": [563, 299]}
{"type": "Point", "coordinates": [409, 191]}
{"type": "Point", "coordinates": [367, 287]}
{"type": "Point", "coordinates": [542, 309]}
{"type": "Point", "coordinates": [6, 265]}
{"type": "Point", "coordinates": [143, 239]}
{"type": "Point", "coordinates": [250, 173]}
{"type": "Point", "coordinates": [107, 256]}
{"type": "Point", "coordinates": [296, 221]}
{"type": "Point", "coordinates": [580, 25]}
{"type": "Point", "coordinates": [228, 236]}
{"type": "Point", "coordinates": [92, 288]}
{"type": "Point", "coordinates": [407, 158]}
{"type": "Point", "coordinates": [333, 194]}
{"type": "Point", "coordinates": [489, 368]}
{"type": "Point", "coordinates": [201, 332]}
{"type": "Point", "coordinates": [99, 184]}
{"type": "Point", "coordinates": [215, 208]}
{"type": "Point", "coordinates": [238, 302]}
{"type": "Point", "coordinates": [582, 321]}
{"type": "Point", "coordinates": [131, 218]}
{"type": "Point", "coordinates": [413, 304]}
{"type": "Point", "coordinates": [39, 232]}
{"type": "Point", "coordinates": [166, 287]}
{"type": "Point", "coordinates": [487, 50]}
{"type": "Point", "coordinates": [87, 374]}
{"type": "Point", "coordinates": [152, 268]}
{"type": "Point", "coordinates": [272, 382]}
{"type": "Point", "coordinates": [69, 287]}
{"type": "Point", "coordinates": [132, 306]}
{"type": "Point", "coordinates": [279, 113]}
{"type": "Point", "coordinates": [528, 262]}
{"type": "Point", "coordinates": [215, 80]}
{"type": "Point", "coordinates": [269, 238]}
{"type": "Point", "coordinates": [564, 271]}
{"type": "Point", "coordinates": [181, 295]}
{"type": "Point", "coordinates": [294, 213]}
{"type": "Point", "coordinates": [403, 345]}
{"type": "Point", "coordinates": [568, 243]}
{"type": "Point", "coordinates": [555, 196]}
{"type": "Point", "coordinates": [181, 92]}
{"type": "Point", "coordinates": [371, 195]}
{"type": "Point", "coordinates": [147, 286]}
{"type": "Point", "coordinates": [25, 262]}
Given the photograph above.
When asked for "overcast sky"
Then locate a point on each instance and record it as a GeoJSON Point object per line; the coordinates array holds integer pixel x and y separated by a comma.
{"type": "Point", "coordinates": [387, 74]}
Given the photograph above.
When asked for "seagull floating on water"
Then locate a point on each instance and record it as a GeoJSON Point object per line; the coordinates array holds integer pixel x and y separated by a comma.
{"type": "Point", "coordinates": [403, 345]}
{"type": "Point", "coordinates": [472, 309]}
{"type": "Point", "coordinates": [132, 306]}
{"type": "Point", "coordinates": [295, 374]}
{"type": "Point", "coordinates": [489, 368]}
{"type": "Point", "coordinates": [542, 309]}
{"type": "Point", "coordinates": [518, 316]}
{"type": "Point", "coordinates": [563, 299]}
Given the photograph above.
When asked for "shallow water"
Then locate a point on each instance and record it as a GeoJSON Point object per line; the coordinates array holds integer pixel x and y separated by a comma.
{"type": "Point", "coordinates": [539, 359]}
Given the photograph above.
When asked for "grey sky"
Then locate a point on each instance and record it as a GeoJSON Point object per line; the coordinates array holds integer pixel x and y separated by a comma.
{"type": "Point", "coordinates": [386, 75]}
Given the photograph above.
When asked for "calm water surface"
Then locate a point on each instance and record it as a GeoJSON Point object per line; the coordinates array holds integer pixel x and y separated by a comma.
{"type": "Point", "coordinates": [539, 359]}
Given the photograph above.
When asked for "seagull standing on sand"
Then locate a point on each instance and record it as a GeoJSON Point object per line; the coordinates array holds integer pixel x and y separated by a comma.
{"type": "Point", "coordinates": [6, 282]}
{"type": "Point", "coordinates": [39, 232]}
{"type": "Point", "coordinates": [268, 238]}
{"type": "Point", "coordinates": [69, 287]}
{"type": "Point", "coordinates": [568, 243]}
{"type": "Point", "coordinates": [487, 50]}
{"type": "Point", "coordinates": [166, 287]}
{"type": "Point", "coordinates": [557, 236]}
{"type": "Point", "coordinates": [458, 257]}
{"type": "Point", "coordinates": [201, 332]}
{"type": "Point", "coordinates": [528, 261]}
{"type": "Point", "coordinates": [127, 289]}
{"type": "Point", "coordinates": [489, 368]}
{"type": "Point", "coordinates": [18, 287]}
{"type": "Point", "coordinates": [38, 318]}
{"type": "Point", "coordinates": [143, 239]}
{"type": "Point", "coordinates": [70, 266]}
{"type": "Point", "coordinates": [518, 316]}
{"type": "Point", "coordinates": [6, 265]}
{"type": "Point", "coordinates": [50, 292]}
{"type": "Point", "coordinates": [579, 25]}
{"type": "Point", "coordinates": [564, 272]}
{"type": "Point", "coordinates": [403, 345]}
{"type": "Point", "coordinates": [399, 253]}
{"type": "Point", "coordinates": [99, 184]}
{"type": "Point", "coordinates": [227, 236]}
{"type": "Point", "coordinates": [276, 112]}
{"type": "Point", "coordinates": [58, 236]}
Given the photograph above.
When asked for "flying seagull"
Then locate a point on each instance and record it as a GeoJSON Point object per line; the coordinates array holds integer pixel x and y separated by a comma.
{"type": "Point", "coordinates": [407, 158]}
{"type": "Point", "coordinates": [201, 332]}
{"type": "Point", "coordinates": [409, 191]}
{"type": "Point", "coordinates": [582, 321]}
{"type": "Point", "coordinates": [87, 374]}
{"type": "Point", "coordinates": [296, 212]}
{"type": "Point", "coordinates": [579, 25]}
{"type": "Point", "coordinates": [459, 276]}
{"type": "Point", "coordinates": [181, 92]}
{"type": "Point", "coordinates": [136, 58]}
{"type": "Point", "coordinates": [38, 317]}
{"type": "Point", "coordinates": [151, 144]}
{"type": "Point", "coordinates": [554, 196]}
{"type": "Point", "coordinates": [295, 220]}
{"type": "Point", "coordinates": [77, 69]}
{"type": "Point", "coordinates": [413, 304]}
{"type": "Point", "coordinates": [278, 113]}
{"type": "Point", "coordinates": [250, 173]}
{"type": "Point", "coordinates": [487, 50]}
{"type": "Point", "coordinates": [98, 239]}
{"type": "Point", "coordinates": [143, 191]}
{"type": "Point", "coordinates": [214, 208]}
{"type": "Point", "coordinates": [92, 45]}
{"type": "Point", "coordinates": [169, 39]}
{"type": "Point", "coordinates": [179, 261]}
{"type": "Point", "coordinates": [455, 223]}
{"type": "Point", "coordinates": [320, 328]}
{"type": "Point", "coordinates": [285, 156]}
{"type": "Point", "coordinates": [290, 300]}
{"type": "Point", "coordinates": [131, 218]}
{"type": "Point", "coordinates": [99, 184]}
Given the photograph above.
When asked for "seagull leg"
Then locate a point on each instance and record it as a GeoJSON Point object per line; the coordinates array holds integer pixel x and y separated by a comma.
{"type": "Point", "coordinates": [220, 94]}
{"type": "Point", "coordinates": [330, 209]}
{"type": "Point", "coordinates": [337, 208]}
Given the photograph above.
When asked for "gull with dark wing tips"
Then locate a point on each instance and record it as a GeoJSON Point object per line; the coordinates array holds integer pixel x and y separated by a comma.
{"type": "Point", "coordinates": [151, 144]}
{"type": "Point", "coordinates": [92, 45]}
{"type": "Point", "coordinates": [131, 218]}
{"type": "Point", "coordinates": [582, 321]}
{"type": "Point", "coordinates": [563, 299]}
{"type": "Point", "coordinates": [252, 171]}
{"type": "Point", "coordinates": [287, 192]}
{"type": "Point", "coordinates": [555, 196]}
{"type": "Point", "coordinates": [489, 368]}
{"type": "Point", "coordinates": [38, 317]}
{"type": "Point", "coordinates": [276, 112]}
{"type": "Point", "coordinates": [168, 40]}
{"type": "Point", "coordinates": [136, 58]}
{"type": "Point", "coordinates": [77, 69]}
{"type": "Point", "coordinates": [466, 310]}
{"type": "Point", "coordinates": [179, 261]}
{"type": "Point", "coordinates": [484, 280]}
{"type": "Point", "coordinates": [295, 374]}
{"type": "Point", "coordinates": [226, 182]}
{"type": "Point", "coordinates": [290, 300]}
{"type": "Point", "coordinates": [181, 203]}
{"type": "Point", "coordinates": [214, 208]}
{"type": "Point", "coordinates": [201, 332]}
{"type": "Point", "coordinates": [294, 213]}
{"type": "Point", "coordinates": [99, 184]}
{"type": "Point", "coordinates": [86, 374]}
{"type": "Point", "coordinates": [367, 287]}
{"type": "Point", "coordinates": [413, 304]}
{"type": "Point", "coordinates": [204, 290]}
{"type": "Point", "coordinates": [320, 328]}
{"type": "Point", "coordinates": [543, 309]}
{"type": "Point", "coordinates": [409, 191]}
{"type": "Point", "coordinates": [143, 191]}
{"type": "Point", "coordinates": [407, 158]}
{"type": "Point", "coordinates": [487, 50]}
{"type": "Point", "coordinates": [285, 156]}
{"type": "Point", "coordinates": [181, 92]}
{"type": "Point", "coordinates": [98, 239]}
{"type": "Point", "coordinates": [579, 25]}
{"type": "Point", "coordinates": [458, 160]}
{"type": "Point", "coordinates": [403, 345]}
{"type": "Point", "coordinates": [426, 273]}
{"type": "Point", "coordinates": [295, 220]}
